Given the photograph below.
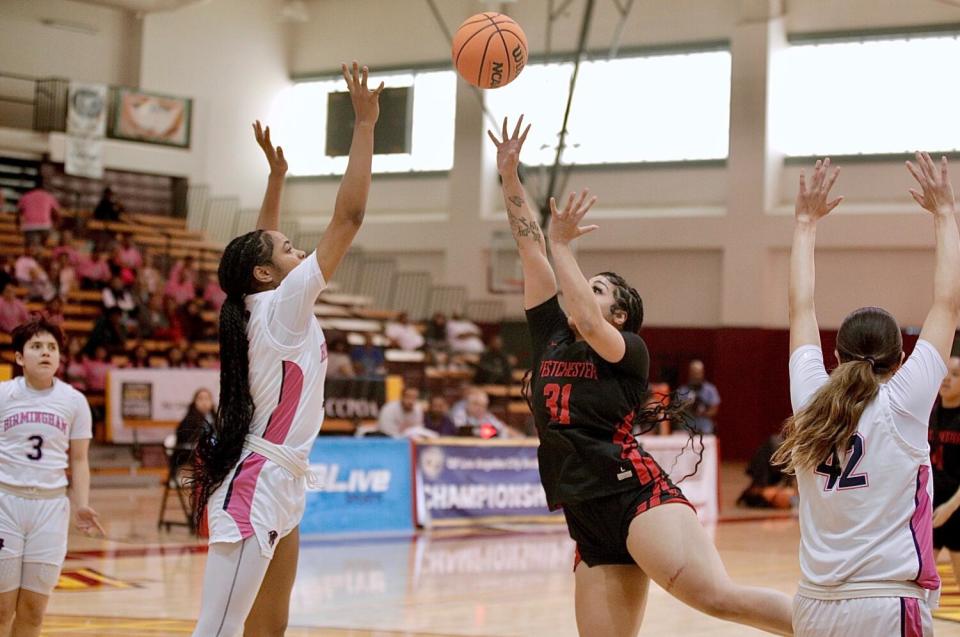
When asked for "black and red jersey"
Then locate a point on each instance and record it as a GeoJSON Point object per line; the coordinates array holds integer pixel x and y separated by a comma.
{"type": "Point", "coordinates": [945, 451]}
{"type": "Point", "coordinates": [583, 407]}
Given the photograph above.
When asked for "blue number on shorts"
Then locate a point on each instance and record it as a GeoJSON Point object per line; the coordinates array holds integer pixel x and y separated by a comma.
{"type": "Point", "coordinates": [37, 447]}
{"type": "Point", "coordinates": [843, 478]}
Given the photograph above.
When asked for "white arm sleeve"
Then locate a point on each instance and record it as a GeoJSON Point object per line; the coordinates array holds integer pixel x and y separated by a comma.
{"type": "Point", "coordinates": [807, 375]}
{"type": "Point", "coordinates": [913, 390]}
{"type": "Point", "coordinates": [292, 304]}
{"type": "Point", "coordinates": [82, 425]}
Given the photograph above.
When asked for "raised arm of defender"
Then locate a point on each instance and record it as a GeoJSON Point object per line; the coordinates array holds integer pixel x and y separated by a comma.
{"type": "Point", "coordinates": [539, 283]}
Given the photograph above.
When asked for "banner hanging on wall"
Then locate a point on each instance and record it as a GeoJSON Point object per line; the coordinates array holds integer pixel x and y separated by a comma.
{"type": "Point", "coordinates": [147, 117]}
{"type": "Point", "coordinates": [87, 110]}
{"type": "Point", "coordinates": [83, 157]}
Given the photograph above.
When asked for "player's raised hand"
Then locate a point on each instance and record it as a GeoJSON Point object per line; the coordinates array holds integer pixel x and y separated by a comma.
{"type": "Point", "coordinates": [937, 191]}
{"type": "Point", "coordinates": [88, 522]}
{"type": "Point", "coordinates": [813, 201]}
{"type": "Point", "coordinates": [509, 146]}
{"type": "Point", "coordinates": [565, 224]}
{"type": "Point", "coordinates": [366, 103]}
{"type": "Point", "coordinates": [274, 155]}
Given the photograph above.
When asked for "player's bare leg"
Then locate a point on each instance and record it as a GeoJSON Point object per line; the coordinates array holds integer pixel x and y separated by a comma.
{"type": "Point", "coordinates": [689, 568]}
{"type": "Point", "coordinates": [610, 600]}
{"type": "Point", "coordinates": [29, 618]}
{"type": "Point", "coordinates": [271, 609]}
{"type": "Point", "coordinates": [8, 608]}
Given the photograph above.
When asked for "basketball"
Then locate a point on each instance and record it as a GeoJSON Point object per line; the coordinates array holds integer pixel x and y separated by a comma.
{"type": "Point", "coordinates": [489, 50]}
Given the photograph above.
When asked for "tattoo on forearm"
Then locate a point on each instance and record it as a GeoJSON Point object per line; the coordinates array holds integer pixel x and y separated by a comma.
{"type": "Point", "coordinates": [522, 227]}
{"type": "Point", "coordinates": [516, 201]}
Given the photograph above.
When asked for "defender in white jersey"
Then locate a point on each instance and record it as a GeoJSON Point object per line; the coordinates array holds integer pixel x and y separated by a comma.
{"type": "Point", "coordinates": [45, 426]}
{"type": "Point", "coordinates": [858, 438]}
{"type": "Point", "coordinates": [251, 466]}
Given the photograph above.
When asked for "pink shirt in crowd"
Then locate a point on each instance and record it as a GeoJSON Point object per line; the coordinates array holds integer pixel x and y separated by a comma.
{"type": "Point", "coordinates": [214, 295]}
{"type": "Point", "coordinates": [73, 255]}
{"type": "Point", "coordinates": [96, 376]}
{"type": "Point", "coordinates": [24, 267]}
{"type": "Point", "coordinates": [130, 258]}
{"type": "Point", "coordinates": [36, 210]}
{"type": "Point", "coordinates": [12, 314]}
{"type": "Point", "coordinates": [94, 270]}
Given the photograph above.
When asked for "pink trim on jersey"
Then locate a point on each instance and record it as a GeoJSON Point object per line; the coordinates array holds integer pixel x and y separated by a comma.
{"type": "Point", "coordinates": [282, 417]}
{"type": "Point", "coordinates": [911, 621]}
{"type": "Point", "coordinates": [240, 493]}
{"type": "Point", "coordinates": [921, 525]}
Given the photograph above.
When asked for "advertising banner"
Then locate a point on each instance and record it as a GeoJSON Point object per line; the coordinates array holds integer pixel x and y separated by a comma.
{"type": "Point", "coordinates": [147, 117]}
{"type": "Point", "coordinates": [354, 398]}
{"type": "Point", "coordinates": [145, 405]}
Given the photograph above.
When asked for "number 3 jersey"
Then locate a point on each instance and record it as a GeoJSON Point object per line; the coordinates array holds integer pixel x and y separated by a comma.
{"type": "Point", "coordinates": [583, 408]}
{"type": "Point", "coordinates": [36, 427]}
{"type": "Point", "coordinates": [866, 524]}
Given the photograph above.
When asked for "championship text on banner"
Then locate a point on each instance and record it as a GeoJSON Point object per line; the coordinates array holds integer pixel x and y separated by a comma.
{"type": "Point", "coordinates": [353, 398]}
{"type": "Point", "coordinates": [360, 485]}
{"type": "Point", "coordinates": [145, 405]}
{"type": "Point", "coordinates": [462, 481]}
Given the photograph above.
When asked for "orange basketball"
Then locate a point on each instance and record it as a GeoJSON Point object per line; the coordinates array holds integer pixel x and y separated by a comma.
{"type": "Point", "coordinates": [489, 50]}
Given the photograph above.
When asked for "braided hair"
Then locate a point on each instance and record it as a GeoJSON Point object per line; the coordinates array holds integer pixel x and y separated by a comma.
{"type": "Point", "coordinates": [652, 409]}
{"type": "Point", "coordinates": [219, 446]}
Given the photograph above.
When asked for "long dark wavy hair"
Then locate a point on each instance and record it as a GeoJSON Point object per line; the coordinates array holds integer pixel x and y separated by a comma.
{"type": "Point", "coordinates": [219, 447]}
{"type": "Point", "coordinates": [870, 346]}
{"type": "Point", "coordinates": [652, 409]}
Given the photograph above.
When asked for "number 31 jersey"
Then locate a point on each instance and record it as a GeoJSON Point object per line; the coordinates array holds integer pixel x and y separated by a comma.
{"type": "Point", "coordinates": [865, 515]}
{"type": "Point", "coordinates": [36, 427]}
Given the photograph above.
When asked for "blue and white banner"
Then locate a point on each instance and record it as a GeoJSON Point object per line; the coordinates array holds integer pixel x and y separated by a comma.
{"type": "Point", "coordinates": [363, 485]}
{"type": "Point", "coordinates": [462, 481]}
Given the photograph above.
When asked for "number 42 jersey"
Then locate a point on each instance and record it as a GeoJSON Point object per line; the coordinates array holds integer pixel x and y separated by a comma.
{"type": "Point", "coordinates": [36, 427]}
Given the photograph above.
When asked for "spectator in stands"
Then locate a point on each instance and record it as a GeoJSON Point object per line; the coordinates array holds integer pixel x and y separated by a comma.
{"type": "Point", "coordinates": [703, 397]}
{"type": "Point", "coordinates": [117, 295]}
{"type": "Point", "coordinates": [13, 311]}
{"type": "Point", "coordinates": [74, 365]}
{"type": "Point", "coordinates": [174, 318]}
{"type": "Point", "coordinates": [438, 418]}
{"type": "Point", "coordinates": [39, 287]}
{"type": "Point", "coordinates": [140, 358]}
{"type": "Point", "coordinates": [65, 246]}
{"type": "Point", "coordinates": [27, 263]}
{"type": "Point", "coordinates": [403, 335]}
{"type": "Point", "coordinates": [153, 319]}
{"type": "Point", "coordinates": [339, 364]}
{"type": "Point", "coordinates": [96, 368]}
{"type": "Point", "coordinates": [191, 358]}
{"type": "Point", "coordinates": [95, 271]}
{"type": "Point", "coordinates": [53, 312]}
{"type": "Point", "coordinates": [38, 212]}
{"type": "Point", "coordinates": [63, 275]}
{"type": "Point", "coordinates": [200, 414]}
{"type": "Point", "coordinates": [436, 332]}
{"type": "Point", "coordinates": [213, 294]}
{"type": "Point", "coordinates": [108, 332]}
{"type": "Point", "coordinates": [472, 416]}
{"type": "Point", "coordinates": [6, 272]}
{"type": "Point", "coordinates": [150, 280]}
{"type": "Point", "coordinates": [182, 284]}
{"type": "Point", "coordinates": [127, 257]}
{"type": "Point", "coordinates": [494, 367]}
{"type": "Point", "coordinates": [176, 357]}
{"type": "Point", "coordinates": [397, 416]}
{"type": "Point", "coordinates": [108, 208]}
{"type": "Point", "coordinates": [368, 359]}
{"type": "Point", "coordinates": [192, 325]}
{"type": "Point", "coordinates": [463, 336]}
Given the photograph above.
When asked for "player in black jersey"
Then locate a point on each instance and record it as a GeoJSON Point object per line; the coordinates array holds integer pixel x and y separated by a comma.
{"type": "Point", "coordinates": [589, 377]}
{"type": "Point", "coordinates": [945, 459]}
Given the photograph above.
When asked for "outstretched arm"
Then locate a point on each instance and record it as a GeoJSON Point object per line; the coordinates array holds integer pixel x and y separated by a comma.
{"type": "Point", "coordinates": [604, 338]}
{"type": "Point", "coordinates": [811, 206]}
{"type": "Point", "coordinates": [539, 283]}
{"type": "Point", "coordinates": [937, 197]}
{"type": "Point", "coordinates": [351, 203]}
{"type": "Point", "coordinates": [269, 218]}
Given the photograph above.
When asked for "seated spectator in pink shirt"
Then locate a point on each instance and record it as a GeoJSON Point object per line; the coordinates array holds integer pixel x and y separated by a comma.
{"type": "Point", "coordinates": [37, 213]}
{"type": "Point", "coordinates": [96, 368]}
{"type": "Point", "coordinates": [64, 276]}
{"type": "Point", "coordinates": [25, 265]}
{"type": "Point", "coordinates": [53, 312]}
{"type": "Point", "coordinates": [74, 365]}
{"type": "Point", "coordinates": [182, 285]}
{"type": "Point", "coordinates": [213, 294]}
{"type": "Point", "coordinates": [65, 246]}
{"type": "Point", "coordinates": [127, 257]}
{"type": "Point", "coordinates": [95, 272]}
{"type": "Point", "coordinates": [177, 358]}
{"type": "Point", "coordinates": [140, 358]}
{"type": "Point", "coordinates": [13, 311]}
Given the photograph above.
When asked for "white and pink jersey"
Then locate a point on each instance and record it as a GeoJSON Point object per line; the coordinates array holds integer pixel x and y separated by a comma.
{"type": "Point", "coordinates": [36, 427]}
{"type": "Point", "coordinates": [866, 526]}
{"type": "Point", "coordinates": [288, 365]}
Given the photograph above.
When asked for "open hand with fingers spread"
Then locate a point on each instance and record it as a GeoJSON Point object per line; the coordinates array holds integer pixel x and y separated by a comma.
{"type": "Point", "coordinates": [508, 148]}
{"type": "Point", "coordinates": [274, 155]}
{"type": "Point", "coordinates": [88, 522]}
{"type": "Point", "coordinates": [813, 201]}
{"type": "Point", "coordinates": [565, 225]}
{"type": "Point", "coordinates": [937, 195]}
{"type": "Point", "coordinates": [366, 103]}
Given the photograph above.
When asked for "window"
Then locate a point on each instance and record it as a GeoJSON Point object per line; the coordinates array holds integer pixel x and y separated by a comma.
{"type": "Point", "coordinates": [300, 120]}
{"type": "Point", "coordinates": [875, 96]}
{"type": "Point", "coordinates": [633, 109]}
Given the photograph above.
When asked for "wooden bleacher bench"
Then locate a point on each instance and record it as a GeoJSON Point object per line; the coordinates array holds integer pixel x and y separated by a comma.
{"type": "Point", "coordinates": [114, 226]}
{"type": "Point", "coordinates": [77, 296]}
{"type": "Point", "coordinates": [68, 310]}
{"type": "Point", "coordinates": [207, 347]}
{"type": "Point", "coordinates": [379, 315]}
{"type": "Point", "coordinates": [161, 221]}
{"type": "Point", "coordinates": [349, 300]}
{"type": "Point", "coordinates": [402, 356]}
{"type": "Point", "coordinates": [5, 339]}
{"type": "Point", "coordinates": [180, 233]}
{"type": "Point", "coordinates": [75, 325]}
{"type": "Point", "coordinates": [351, 325]}
{"type": "Point", "coordinates": [151, 240]}
{"type": "Point", "coordinates": [325, 309]}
